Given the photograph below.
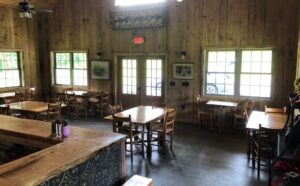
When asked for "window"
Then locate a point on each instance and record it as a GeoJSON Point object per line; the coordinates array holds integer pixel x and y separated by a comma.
{"type": "Point", "coordinates": [71, 68]}
{"type": "Point", "coordinates": [239, 72]}
{"type": "Point", "coordinates": [154, 77]}
{"type": "Point", "coordinates": [10, 73]}
{"type": "Point", "coordinates": [129, 72]}
{"type": "Point", "coordinates": [136, 2]}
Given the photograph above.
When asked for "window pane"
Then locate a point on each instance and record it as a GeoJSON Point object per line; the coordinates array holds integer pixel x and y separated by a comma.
{"type": "Point", "coordinates": [63, 77]}
{"type": "Point", "coordinates": [9, 70]}
{"type": "Point", "coordinates": [220, 73]}
{"type": "Point", "coordinates": [77, 65]}
{"type": "Point", "coordinates": [129, 81]}
{"type": "Point", "coordinates": [63, 60]}
{"type": "Point", "coordinates": [80, 77]}
{"type": "Point", "coordinates": [154, 77]}
{"type": "Point", "coordinates": [256, 73]}
{"type": "Point", "coordinates": [80, 60]}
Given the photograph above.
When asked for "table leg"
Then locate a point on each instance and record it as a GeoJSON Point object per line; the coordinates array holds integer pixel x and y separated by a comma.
{"type": "Point", "coordinates": [149, 148]}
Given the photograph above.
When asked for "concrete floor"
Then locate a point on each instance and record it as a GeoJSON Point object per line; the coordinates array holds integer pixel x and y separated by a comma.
{"type": "Point", "coordinates": [200, 157]}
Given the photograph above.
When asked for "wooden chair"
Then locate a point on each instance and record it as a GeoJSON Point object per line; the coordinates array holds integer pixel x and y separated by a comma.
{"type": "Point", "coordinates": [11, 100]}
{"type": "Point", "coordinates": [31, 94]}
{"type": "Point", "coordinates": [243, 111]}
{"type": "Point", "coordinates": [5, 110]}
{"type": "Point", "coordinates": [21, 96]}
{"type": "Point", "coordinates": [103, 105]}
{"type": "Point", "coordinates": [94, 101]}
{"type": "Point", "coordinates": [159, 104]}
{"type": "Point", "coordinates": [76, 106]}
{"type": "Point", "coordinates": [203, 112]}
{"type": "Point", "coordinates": [53, 112]}
{"type": "Point", "coordinates": [132, 134]}
{"type": "Point", "coordinates": [167, 128]}
{"type": "Point", "coordinates": [115, 108]}
{"type": "Point", "coordinates": [264, 143]}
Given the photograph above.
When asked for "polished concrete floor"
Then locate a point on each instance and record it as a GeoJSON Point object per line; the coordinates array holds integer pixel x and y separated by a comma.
{"type": "Point", "coordinates": [200, 157]}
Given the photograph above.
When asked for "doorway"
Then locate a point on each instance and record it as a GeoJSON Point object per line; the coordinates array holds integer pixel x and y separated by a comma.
{"type": "Point", "coordinates": [140, 80]}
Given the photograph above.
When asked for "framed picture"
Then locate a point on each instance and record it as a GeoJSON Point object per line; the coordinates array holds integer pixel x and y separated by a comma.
{"type": "Point", "coordinates": [183, 70]}
{"type": "Point", "coordinates": [100, 69]}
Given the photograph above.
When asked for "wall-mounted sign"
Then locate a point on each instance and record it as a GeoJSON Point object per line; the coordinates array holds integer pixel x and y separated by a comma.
{"type": "Point", "coordinates": [138, 40]}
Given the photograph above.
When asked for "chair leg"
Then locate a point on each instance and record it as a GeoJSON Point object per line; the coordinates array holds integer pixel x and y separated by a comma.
{"type": "Point", "coordinates": [171, 140]}
{"type": "Point", "coordinates": [143, 131]}
{"type": "Point", "coordinates": [131, 149]}
{"type": "Point", "coordinates": [211, 122]}
{"type": "Point", "coordinates": [258, 164]}
{"type": "Point", "coordinates": [199, 120]}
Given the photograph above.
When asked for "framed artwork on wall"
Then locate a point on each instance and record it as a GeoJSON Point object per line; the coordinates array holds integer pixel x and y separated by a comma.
{"type": "Point", "coordinates": [183, 70]}
{"type": "Point", "coordinates": [100, 69]}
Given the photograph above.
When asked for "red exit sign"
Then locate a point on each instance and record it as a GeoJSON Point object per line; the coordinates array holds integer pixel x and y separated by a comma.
{"type": "Point", "coordinates": [138, 40]}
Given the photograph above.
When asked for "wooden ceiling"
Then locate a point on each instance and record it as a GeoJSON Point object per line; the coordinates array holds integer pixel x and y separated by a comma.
{"type": "Point", "coordinates": [44, 4]}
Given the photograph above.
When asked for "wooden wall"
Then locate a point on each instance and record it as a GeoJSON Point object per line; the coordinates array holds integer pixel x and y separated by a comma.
{"type": "Point", "coordinates": [192, 25]}
{"type": "Point", "coordinates": [298, 56]}
{"type": "Point", "coordinates": [20, 34]}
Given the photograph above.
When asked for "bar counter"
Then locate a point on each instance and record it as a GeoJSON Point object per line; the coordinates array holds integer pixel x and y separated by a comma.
{"type": "Point", "coordinates": [86, 157]}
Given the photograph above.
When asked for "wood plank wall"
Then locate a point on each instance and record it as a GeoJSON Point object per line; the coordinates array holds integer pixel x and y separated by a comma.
{"type": "Point", "coordinates": [192, 26]}
{"type": "Point", "coordinates": [298, 56]}
{"type": "Point", "coordinates": [20, 34]}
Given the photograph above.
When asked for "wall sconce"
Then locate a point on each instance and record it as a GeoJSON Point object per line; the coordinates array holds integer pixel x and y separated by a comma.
{"type": "Point", "coordinates": [179, 1]}
{"type": "Point", "coordinates": [183, 55]}
{"type": "Point", "coordinates": [99, 55]}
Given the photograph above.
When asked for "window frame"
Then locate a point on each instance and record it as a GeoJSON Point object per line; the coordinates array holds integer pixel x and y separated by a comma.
{"type": "Point", "coordinates": [237, 74]}
{"type": "Point", "coordinates": [71, 52]}
{"type": "Point", "coordinates": [20, 67]}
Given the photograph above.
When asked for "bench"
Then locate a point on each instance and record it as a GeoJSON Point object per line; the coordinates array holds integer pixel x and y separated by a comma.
{"type": "Point", "coordinates": [137, 180]}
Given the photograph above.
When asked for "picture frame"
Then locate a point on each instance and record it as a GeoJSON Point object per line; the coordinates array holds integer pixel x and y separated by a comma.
{"type": "Point", "coordinates": [100, 69]}
{"type": "Point", "coordinates": [183, 70]}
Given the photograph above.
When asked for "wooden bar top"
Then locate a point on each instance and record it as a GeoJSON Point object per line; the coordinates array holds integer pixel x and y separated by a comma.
{"type": "Point", "coordinates": [63, 154]}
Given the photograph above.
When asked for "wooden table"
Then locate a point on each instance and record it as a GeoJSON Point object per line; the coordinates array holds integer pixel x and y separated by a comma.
{"type": "Point", "coordinates": [7, 94]}
{"type": "Point", "coordinates": [144, 115]}
{"type": "Point", "coordinates": [221, 105]}
{"type": "Point", "coordinates": [275, 121]}
{"type": "Point", "coordinates": [30, 107]}
{"type": "Point", "coordinates": [97, 153]}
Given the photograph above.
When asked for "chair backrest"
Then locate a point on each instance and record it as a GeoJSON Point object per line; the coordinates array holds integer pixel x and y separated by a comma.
{"type": "Point", "coordinates": [242, 106]}
{"type": "Point", "coordinates": [250, 106]}
{"type": "Point", "coordinates": [266, 134]}
{"type": "Point", "coordinates": [201, 103]}
{"type": "Point", "coordinates": [273, 110]}
{"type": "Point", "coordinates": [54, 111]}
{"type": "Point", "coordinates": [21, 96]}
{"type": "Point", "coordinates": [5, 110]}
{"type": "Point", "coordinates": [30, 93]}
{"type": "Point", "coordinates": [169, 120]}
{"type": "Point", "coordinates": [115, 108]}
{"type": "Point", "coordinates": [159, 104]}
{"type": "Point", "coordinates": [11, 100]}
{"type": "Point", "coordinates": [105, 99]}
{"type": "Point", "coordinates": [119, 121]}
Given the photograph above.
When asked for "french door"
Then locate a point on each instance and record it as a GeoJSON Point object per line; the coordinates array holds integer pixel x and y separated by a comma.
{"type": "Point", "coordinates": [140, 80]}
